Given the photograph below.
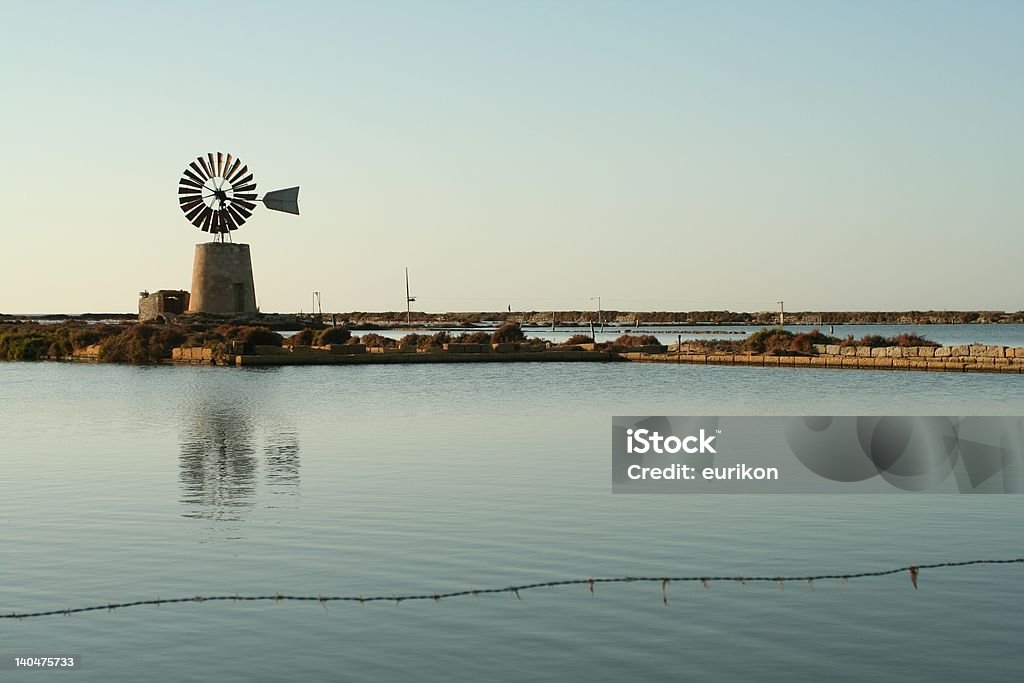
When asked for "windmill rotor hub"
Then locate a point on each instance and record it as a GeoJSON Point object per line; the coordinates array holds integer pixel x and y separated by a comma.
{"type": "Point", "coordinates": [220, 197]}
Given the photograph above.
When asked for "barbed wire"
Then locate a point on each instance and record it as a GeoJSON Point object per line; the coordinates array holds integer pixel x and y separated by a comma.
{"type": "Point", "coordinates": [913, 571]}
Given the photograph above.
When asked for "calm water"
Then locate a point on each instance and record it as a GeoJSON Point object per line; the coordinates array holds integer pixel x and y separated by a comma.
{"type": "Point", "coordinates": [123, 483]}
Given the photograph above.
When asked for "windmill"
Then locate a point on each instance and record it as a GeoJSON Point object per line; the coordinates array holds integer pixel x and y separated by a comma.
{"type": "Point", "coordinates": [217, 194]}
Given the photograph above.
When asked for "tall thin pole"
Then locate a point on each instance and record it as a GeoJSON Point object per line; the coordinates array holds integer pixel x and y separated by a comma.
{"type": "Point", "coordinates": [408, 299]}
{"type": "Point", "coordinates": [782, 314]}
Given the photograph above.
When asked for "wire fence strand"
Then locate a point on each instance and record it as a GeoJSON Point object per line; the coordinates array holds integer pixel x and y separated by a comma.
{"type": "Point", "coordinates": [913, 572]}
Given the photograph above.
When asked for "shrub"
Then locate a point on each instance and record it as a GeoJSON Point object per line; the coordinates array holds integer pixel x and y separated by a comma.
{"type": "Point", "coordinates": [871, 340]}
{"type": "Point", "coordinates": [473, 338]}
{"type": "Point", "coordinates": [81, 338]}
{"type": "Point", "coordinates": [912, 340]}
{"type": "Point", "coordinates": [637, 340]}
{"type": "Point", "coordinates": [303, 338]}
{"type": "Point", "coordinates": [263, 336]}
{"type": "Point", "coordinates": [375, 340]}
{"type": "Point", "coordinates": [804, 341]}
{"type": "Point", "coordinates": [20, 344]}
{"type": "Point", "coordinates": [509, 332]}
{"type": "Point", "coordinates": [433, 341]}
{"type": "Point", "coordinates": [876, 340]}
{"type": "Point", "coordinates": [411, 339]}
{"type": "Point", "coordinates": [140, 344]}
{"type": "Point", "coordinates": [334, 335]}
{"type": "Point", "coordinates": [578, 339]}
{"type": "Point", "coordinates": [774, 340]}
{"type": "Point", "coordinates": [222, 332]}
{"type": "Point", "coordinates": [716, 346]}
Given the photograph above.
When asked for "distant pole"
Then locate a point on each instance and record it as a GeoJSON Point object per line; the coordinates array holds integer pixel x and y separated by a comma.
{"type": "Point", "coordinates": [600, 315]}
{"type": "Point", "coordinates": [408, 299]}
{"type": "Point", "coordinates": [552, 321]}
{"type": "Point", "coordinates": [782, 314]}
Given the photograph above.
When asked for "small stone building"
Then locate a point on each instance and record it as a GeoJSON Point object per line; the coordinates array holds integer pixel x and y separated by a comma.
{"type": "Point", "coordinates": [165, 304]}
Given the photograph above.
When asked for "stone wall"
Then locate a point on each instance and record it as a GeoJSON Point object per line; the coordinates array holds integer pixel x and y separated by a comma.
{"type": "Point", "coordinates": [902, 358]}
{"type": "Point", "coordinates": [357, 353]}
{"type": "Point", "coordinates": [964, 353]}
{"type": "Point", "coordinates": [1012, 365]}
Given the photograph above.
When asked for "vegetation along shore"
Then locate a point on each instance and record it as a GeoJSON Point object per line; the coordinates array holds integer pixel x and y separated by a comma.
{"type": "Point", "coordinates": [232, 344]}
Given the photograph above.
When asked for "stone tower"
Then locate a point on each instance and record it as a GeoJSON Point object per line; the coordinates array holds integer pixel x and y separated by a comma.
{"type": "Point", "coordinates": [222, 279]}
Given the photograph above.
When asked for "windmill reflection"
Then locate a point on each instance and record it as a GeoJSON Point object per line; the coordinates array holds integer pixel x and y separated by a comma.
{"type": "Point", "coordinates": [220, 463]}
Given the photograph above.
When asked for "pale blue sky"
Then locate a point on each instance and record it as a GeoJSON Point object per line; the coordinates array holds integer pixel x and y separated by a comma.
{"type": "Point", "coordinates": [662, 155]}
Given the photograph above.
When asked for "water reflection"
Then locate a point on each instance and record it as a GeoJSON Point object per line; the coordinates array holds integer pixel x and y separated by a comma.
{"type": "Point", "coordinates": [220, 463]}
{"type": "Point", "coordinates": [281, 459]}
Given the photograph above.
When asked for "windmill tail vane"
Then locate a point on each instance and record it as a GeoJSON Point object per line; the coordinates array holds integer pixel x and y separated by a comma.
{"type": "Point", "coordinates": [217, 194]}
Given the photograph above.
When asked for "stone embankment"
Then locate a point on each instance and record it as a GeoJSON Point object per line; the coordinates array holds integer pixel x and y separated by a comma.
{"type": "Point", "coordinates": [967, 358]}
{"type": "Point", "coordinates": [354, 354]}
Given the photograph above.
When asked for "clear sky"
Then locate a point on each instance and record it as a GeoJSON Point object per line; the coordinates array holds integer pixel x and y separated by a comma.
{"type": "Point", "coordinates": [661, 155]}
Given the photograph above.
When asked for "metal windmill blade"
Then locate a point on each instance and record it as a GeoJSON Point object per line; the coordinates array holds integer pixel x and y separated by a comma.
{"type": "Point", "coordinates": [217, 194]}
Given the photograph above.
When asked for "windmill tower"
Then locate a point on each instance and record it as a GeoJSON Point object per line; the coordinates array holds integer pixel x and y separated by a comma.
{"type": "Point", "coordinates": [217, 193]}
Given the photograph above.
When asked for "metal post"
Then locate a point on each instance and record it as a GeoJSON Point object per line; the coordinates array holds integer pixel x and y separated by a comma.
{"type": "Point", "coordinates": [408, 299]}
